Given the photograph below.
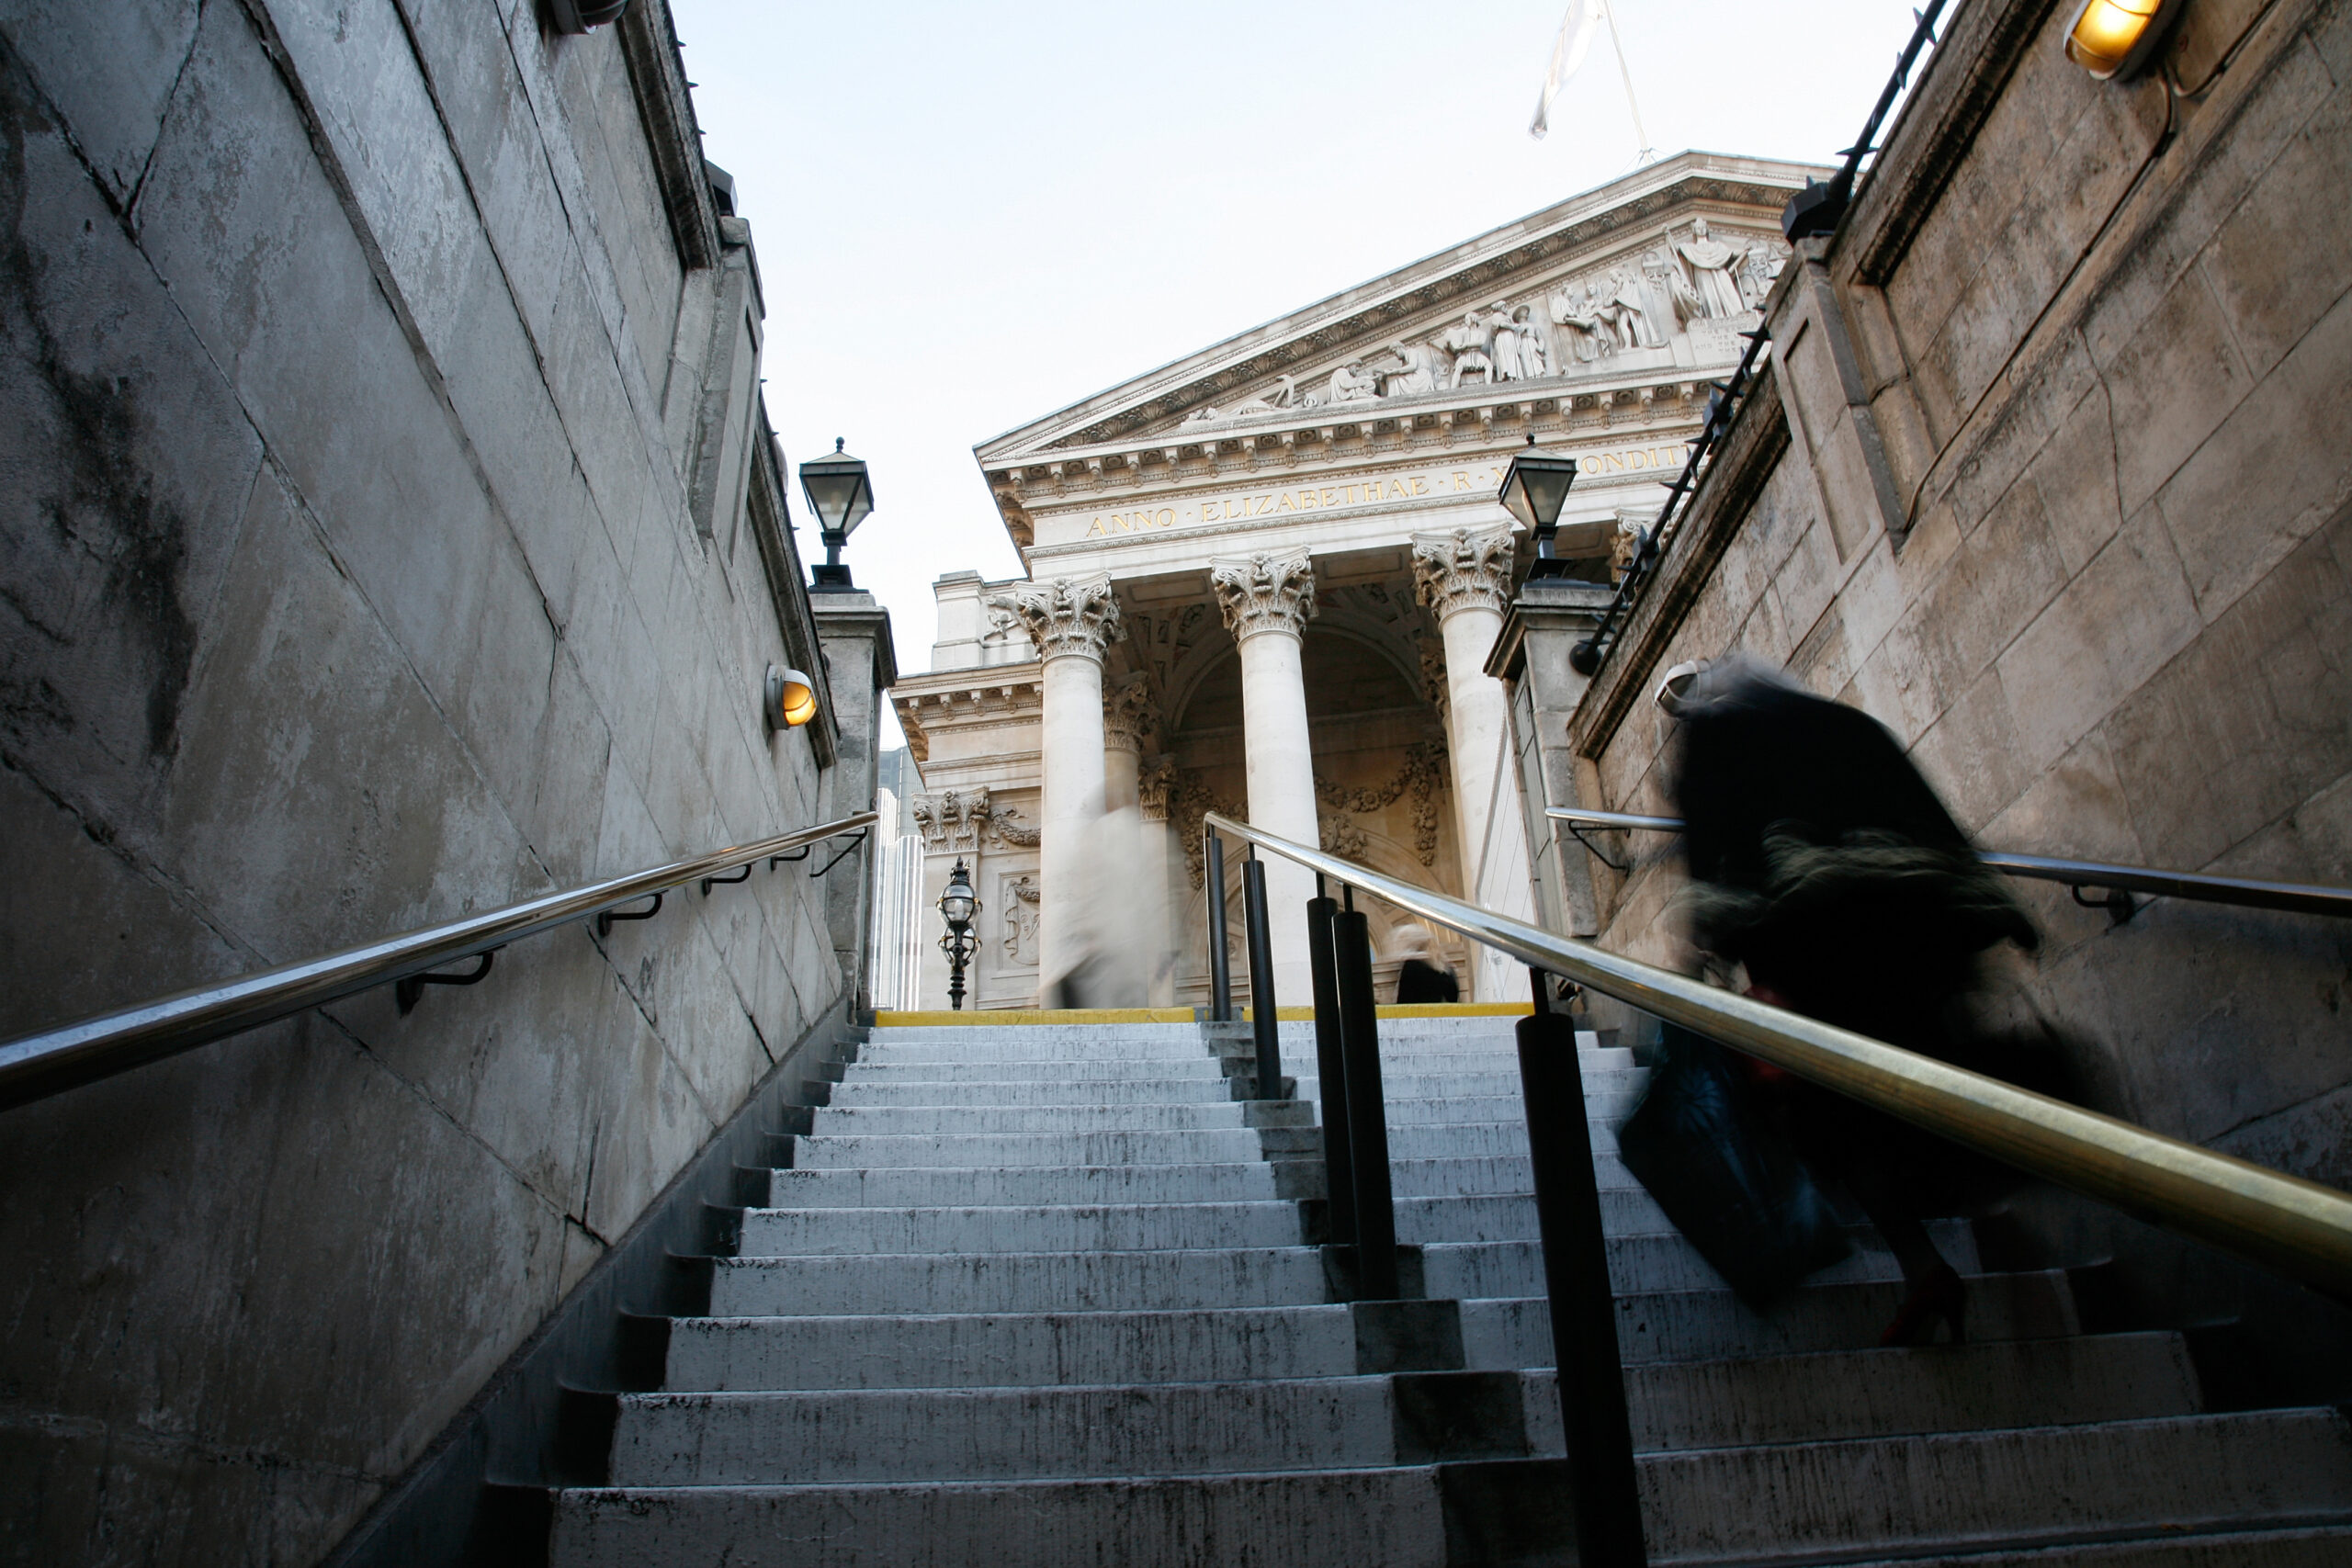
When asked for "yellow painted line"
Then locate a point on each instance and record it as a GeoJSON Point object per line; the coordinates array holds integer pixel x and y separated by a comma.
{"type": "Point", "coordinates": [935, 1019]}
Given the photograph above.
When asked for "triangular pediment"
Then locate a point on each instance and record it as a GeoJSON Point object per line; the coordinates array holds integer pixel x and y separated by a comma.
{"type": "Point", "coordinates": [1599, 282]}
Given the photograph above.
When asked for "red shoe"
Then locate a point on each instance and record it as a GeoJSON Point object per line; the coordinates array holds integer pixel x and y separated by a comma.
{"type": "Point", "coordinates": [1939, 1296]}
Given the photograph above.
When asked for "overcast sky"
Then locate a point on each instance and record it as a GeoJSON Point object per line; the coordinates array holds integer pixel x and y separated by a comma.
{"type": "Point", "coordinates": [968, 215]}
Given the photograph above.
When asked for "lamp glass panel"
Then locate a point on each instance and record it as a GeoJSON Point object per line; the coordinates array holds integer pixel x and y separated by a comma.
{"type": "Point", "coordinates": [838, 492]}
{"type": "Point", "coordinates": [2107, 30]}
{"type": "Point", "coordinates": [1536, 488]}
{"type": "Point", "coordinates": [800, 699]}
{"type": "Point", "coordinates": [957, 908]}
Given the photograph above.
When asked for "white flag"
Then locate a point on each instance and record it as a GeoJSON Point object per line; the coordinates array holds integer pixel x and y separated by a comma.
{"type": "Point", "coordinates": [1577, 29]}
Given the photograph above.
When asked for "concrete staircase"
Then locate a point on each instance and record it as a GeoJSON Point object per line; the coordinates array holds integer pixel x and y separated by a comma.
{"type": "Point", "coordinates": [1035, 1296]}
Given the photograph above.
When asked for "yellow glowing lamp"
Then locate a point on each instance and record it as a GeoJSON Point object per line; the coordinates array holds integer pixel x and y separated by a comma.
{"type": "Point", "coordinates": [2116, 37]}
{"type": "Point", "coordinates": [791, 698]}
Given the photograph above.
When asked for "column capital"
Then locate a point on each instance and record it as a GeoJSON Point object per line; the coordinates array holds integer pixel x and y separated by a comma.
{"type": "Point", "coordinates": [1153, 783]}
{"type": "Point", "coordinates": [1264, 592]}
{"type": "Point", "coordinates": [1129, 715]}
{"type": "Point", "coordinates": [1064, 615]}
{"type": "Point", "coordinates": [1463, 568]}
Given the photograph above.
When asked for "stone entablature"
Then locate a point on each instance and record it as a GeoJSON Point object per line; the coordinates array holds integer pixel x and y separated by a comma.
{"type": "Point", "coordinates": [964, 700]}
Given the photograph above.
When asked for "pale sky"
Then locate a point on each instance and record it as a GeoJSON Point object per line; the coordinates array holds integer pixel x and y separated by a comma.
{"type": "Point", "coordinates": [968, 215]}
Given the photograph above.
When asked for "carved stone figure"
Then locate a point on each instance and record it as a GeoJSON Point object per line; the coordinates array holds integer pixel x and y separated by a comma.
{"type": "Point", "coordinates": [1468, 344]}
{"type": "Point", "coordinates": [1758, 273]}
{"type": "Point", "coordinates": [1419, 374]}
{"type": "Point", "coordinates": [1534, 357]}
{"type": "Point", "coordinates": [1021, 922]}
{"type": "Point", "coordinates": [1569, 310]}
{"type": "Point", "coordinates": [1352, 383]}
{"type": "Point", "coordinates": [1628, 314]}
{"type": "Point", "coordinates": [1064, 615]}
{"type": "Point", "coordinates": [1713, 264]}
{"type": "Point", "coordinates": [1264, 592]}
{"type": "Point", "coordinates": [1504, 349]}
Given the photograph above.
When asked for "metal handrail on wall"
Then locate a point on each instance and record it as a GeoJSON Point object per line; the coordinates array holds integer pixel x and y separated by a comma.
{"type": "Point", "coordinates": [2300, 897]}
{"type": "Point", "coordinates": [2298, 1228]}
{"type": "Point", "coordinates": [33, 1067]}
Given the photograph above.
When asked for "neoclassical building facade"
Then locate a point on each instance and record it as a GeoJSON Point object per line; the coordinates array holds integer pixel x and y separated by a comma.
{"type": "Point", "coordinates": [1268, 579]}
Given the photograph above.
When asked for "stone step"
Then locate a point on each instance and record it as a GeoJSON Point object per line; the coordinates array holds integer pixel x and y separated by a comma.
{"type": "Point", "coordinates": [2044, 1485]}
{"type": "Point", "coordinates": [1489, 1174]}
{"type": "Point", "coordinates": [2322, 1547]}
{"type": "Point", "coordinates": [1206, 1088]}
{"type": "Point", "coordinates": [1442, 1085]}
{"type": "Point", "coordinates": [1609, 1107]}
{"type": "Point", "coordinates": [1132, 1227]}
{"type": "Point", "coordinates": [929, 1186]}
{"type": "Point", "coordinates": [1346, 1519]}
{"type": "Point", "coordinates": [785, 1438]}
{"type": "Point", "coordinates": [1005, 1046]}
{"type": "Point", "coordinates": [928, 1121]}
{"type": "Point", "coordinates": [1010, 1349]}
{"type": "Point", "coordinates": [1201, 1065]}
{"type": "Point", "coordinates": [1182, 1031]}
{"type": "Point", "coordinates": [1644, 1264]}
{"type": "Point", "coordinates": [1018, 1281]}
{"type": "Point", "coordinates": [1919, 1500]}
{"type": "Point", "coordinates": [1476, 1140]}
{"type": "Point", "coordinates": [1219, 1146]}
{"type": "Point", "coordinates": [790, 1436]}
{"type": "Point", "coordinates": [1710, 1324]}
{"type": "Point", "coordinates": [1833, 1396]}
{"type": "Point", "coordinates": [1511, 1216]}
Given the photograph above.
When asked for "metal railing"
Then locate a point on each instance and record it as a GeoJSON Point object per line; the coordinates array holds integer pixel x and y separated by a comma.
{"type": "Point", "coordinates": [2298, 1228]}
{"type": "Point", "coordinates": [2121, 881]}
{"type": "Point", "coordinates": [33, 1067]}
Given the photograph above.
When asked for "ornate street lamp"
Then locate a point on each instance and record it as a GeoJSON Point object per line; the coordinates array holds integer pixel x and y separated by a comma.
{"type": "Point", "coordinates": [1533, 490]}
{"type": "Point", "coordinates": [958, 908]}
{"type": "Point", "coordinates": [840, 496]}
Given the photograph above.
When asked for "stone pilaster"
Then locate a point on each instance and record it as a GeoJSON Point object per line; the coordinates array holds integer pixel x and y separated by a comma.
{"type": "Point", "coordinates": [1070, 620]}
{"type": "Point", "coordinates": [1464, 577]}
{"type": "Point", "coordinates": [1267, 601]}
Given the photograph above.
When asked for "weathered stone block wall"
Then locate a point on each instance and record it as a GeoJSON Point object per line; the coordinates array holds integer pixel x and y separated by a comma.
{"type": "Point", "coordinates": [2052, 476]}
{"type": "Point", "coordinates": [381, 434]}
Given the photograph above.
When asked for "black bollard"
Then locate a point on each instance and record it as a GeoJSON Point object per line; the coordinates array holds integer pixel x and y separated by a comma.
{"type": "Point", "coordinates": [1584, 1308]}
{"type": "Point", "coordinates": [1264, 1024]}
{"type": "Point", "coordinates": [1330, 1063]}
{"type": "Point", "coordinates": [1367, 1112]}
{"type": "Point", "coordinates": [1220, 965]}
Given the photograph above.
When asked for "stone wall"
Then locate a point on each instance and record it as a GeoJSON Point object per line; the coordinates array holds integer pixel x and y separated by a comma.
{"type": "Point", "coordinates": [2052, 476]}
{"type": "Point", "coordinates": [391, 533]}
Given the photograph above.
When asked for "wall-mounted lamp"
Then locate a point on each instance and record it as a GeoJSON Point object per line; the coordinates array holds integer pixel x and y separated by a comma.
{"type": "Point", "coordinates": [2118, 38]}
{"type": "Point", "coordinates": [579, 16]}
{"type": "Point", "coordinates": [1533, 490]}
{"type": "Point", "coordinates": [789, 700]}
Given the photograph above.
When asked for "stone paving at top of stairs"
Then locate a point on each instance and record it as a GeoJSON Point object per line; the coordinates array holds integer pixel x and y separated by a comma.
{"type": "Point", "coordinates": [1043, 1295]}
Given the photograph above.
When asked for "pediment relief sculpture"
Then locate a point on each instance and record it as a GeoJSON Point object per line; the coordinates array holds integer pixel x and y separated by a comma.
{"type": "Point", "coordinates": [1572, 326]}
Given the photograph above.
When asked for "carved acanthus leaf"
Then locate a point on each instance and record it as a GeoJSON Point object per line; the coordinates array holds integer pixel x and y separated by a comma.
{"type": "Point", "coordinates": [1264, 592]}
{"type": "Point", "coordinates": [1064, 614]}
{"type": "Point", "coordinates": [1463, 568]}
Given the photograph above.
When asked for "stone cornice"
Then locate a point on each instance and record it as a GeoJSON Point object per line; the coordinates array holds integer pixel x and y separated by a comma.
{"type": "Point", "coordinates": [965, 699]}
{"type": "Point", "coordinates": [1264, 593]}
{"type": "Point", "coordinates": [1065, 616]}
{"type": "Point", "coordinates": [1463, 569]}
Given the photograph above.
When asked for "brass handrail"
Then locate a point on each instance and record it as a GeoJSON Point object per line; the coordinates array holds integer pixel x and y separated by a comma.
{"type": "Point", "coordinates": [2298, 1227]}
{"type": "Point", "coordinates": [35, 1065]}
{"type": "Point", "coordinates": [2302, 898]}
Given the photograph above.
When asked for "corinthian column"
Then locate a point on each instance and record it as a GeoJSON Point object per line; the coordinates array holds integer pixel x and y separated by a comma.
{"type": "Point", "coordinates": [1266, 602]}
{"type": "Point", "coordinates": [1070, 620]}
{"type": "Point", "coordinates": [1464, 576]}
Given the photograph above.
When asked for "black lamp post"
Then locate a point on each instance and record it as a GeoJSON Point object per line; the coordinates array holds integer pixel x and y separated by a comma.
{"type": "Point", "coordinates": [841, 495]}
{"type": "Point", "coordinates": [1533, 490]}
{"type": "Point", "coordinates": [958, 906]}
